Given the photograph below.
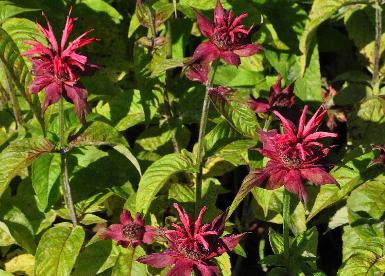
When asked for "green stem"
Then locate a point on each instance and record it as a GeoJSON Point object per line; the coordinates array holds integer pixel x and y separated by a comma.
{"type": "Point", "coordinates": [167, 102]}
{"type": "Point", "coordinates": [64, 171]}
{"type": "Point", "coordinates": [286, 228]}
{"type": "Point", "coordinates": [202, 130]}
{"type": "Point", "coordinates": [267, 123]}
{"type": "Point", "coordinates": [377, 45]}
{"type": "Point", "coordinates": [261, 252]}
{"type": "Point", "coordinates": [131, 256]}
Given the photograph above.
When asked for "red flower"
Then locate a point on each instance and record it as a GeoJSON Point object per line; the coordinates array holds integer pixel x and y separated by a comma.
{"type": "Point", "coordinates": [381, 158]}
{"type": "Point", "coordinates": [228, 38]}
{"type": "Point", "coordinates": [192, 246]}
{"type": "Point", "coordinates": [294, 156]}
{"type": "Point", "coordinates": [197, 71]}
{"type": "Point", "coordinates": [57, 68]}
{"type": "Point", "coordinates": [130, 232]}
{"type": "Point", "coordinates": [279, 98]}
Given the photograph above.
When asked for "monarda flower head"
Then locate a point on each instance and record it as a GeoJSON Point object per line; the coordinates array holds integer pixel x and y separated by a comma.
{"type": "Point", "coordinates": [130, 232]}
{"type": "Point", "coordinates": [280, 97]}
{"type": "Point", "coordinates": [57, 68]}
{"type": "Point", "coordinates": [294, 156]}
{"type": "Point", "coordinates": [228, 38]}
{"type": "Point", "coordinates": [192, 246]}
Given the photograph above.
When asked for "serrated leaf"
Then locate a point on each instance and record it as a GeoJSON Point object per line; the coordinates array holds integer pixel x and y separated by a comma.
{"type": "Point", "coordinates": [58, 249]}
{"type": "Point", "coordinates": [221, 135]}
{"type": "Point", "coordinates": [157, 175]}
{"type": "Point", "coordinates": [46, 171]}
{"type": "Point", "coordinates": [276, 241]}
{"type": "Point", "coordinates": [237, 113]}
{"type": "Point", "coordinates": [18, 156]}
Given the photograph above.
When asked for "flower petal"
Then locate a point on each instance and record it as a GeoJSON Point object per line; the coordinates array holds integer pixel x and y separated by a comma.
{"type": "Point", "coordinates": [208, 269]}
{"type": "Point", "coordinates": [276, 179]}
{"type": "Point", "coordinates": [248, 50]}
{"type": "Point", "coordinates": [319, 135]}
{"type": "Point", "coordinates": [206, 52]}
{"type": "Point", "coordinates": [231, 241]}
{"type": "Point", "coordinates": [230, 58]}
{"type": "Point", "coordinates": [318, 176]}
{"type": "Point", "coordinates": [205, 26]}
{"type": "Point", "coordinates": [39, 83]}
{"type": "Point", "coordinates": [114, 232]}
{"type": "Point", "coordinates": [198, 72]}
{"type": "Point", "coordinates": [125, 217]}
{"type": "Point", "coordinates": [149, 234]}
{"type": "Point", "coordinates": [182, 267]}
{"type": "Point", "coordinates": [78, 96]}
{"type": "Point", "coordinates": [288, 125]}
{"type": "Point", "coordinates": [158, 260]}
{"type": "Point", "coordinates": [293, 183]}
{"type": "Point", "coordinates": [67, 29]}
{"type": "Point", "coordinates": [219, 13]}
{"type": "Point", "coordinates": [52, 95]}
{"type": "Point", "coordinates": [259, 106]}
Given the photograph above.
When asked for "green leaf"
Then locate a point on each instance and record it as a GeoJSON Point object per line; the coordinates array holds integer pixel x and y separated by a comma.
{"type": "Point", "coordinates": [224, 264]}
{"type": "Point", "coordinates": [19, 227]}
{"type": "Point", "coordinates": [276, 241]}
{"type": "Point", "coordinates": [101, 6]}
{"type": "Point", "coordinates": [367, 125]}
{"type": "Point", "coordinates": [166, 64]}
{"type": "Point", "coordinates": [18, 156]}
{"type": "Point", "coordinates": [99, 134]}
{"type": "Point", "coordinates": [58, 249]}
{"type": "Point", "coordinates": [368, 198]}
{"type": "Point", "coordinates": [308, 87]}
{"type": "Point", "coordinates": [45, 174]}
{"type": "Point", "coordinates": [231, 76]}
{"type": "Point", "coordinates": [157, 175]}
{"type": "Point", "coordinates": [237, 113]}
{"type": "Point", "coordinates": [21, 263]}
{"type": "Point", "coordinates": [9, 9]}
{"type": "Point", "coordinates": [93, 258]}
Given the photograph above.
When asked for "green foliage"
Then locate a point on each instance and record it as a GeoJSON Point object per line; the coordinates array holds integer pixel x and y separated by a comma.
{"type": "Point", "coordinates": [57, 250]}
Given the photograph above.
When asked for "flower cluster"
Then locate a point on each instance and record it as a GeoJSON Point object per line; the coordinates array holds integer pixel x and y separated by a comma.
{"type": "Point", "coordinates": [192, 246]}
{"type": "Point", "coordinates": [294, 155]}
{"type": "Point", "coordinates": [227, 39]}
{"type": "Point", "coordinates": [57, 68]}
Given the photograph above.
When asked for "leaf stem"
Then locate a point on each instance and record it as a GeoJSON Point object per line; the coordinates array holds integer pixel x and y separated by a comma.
{"type": "Point", "coordinates": [64, 171]}
{"type": "Point", "coordinates": [202, 130]}
{"type": "Point", "coordinates": [286, 224]}
{"type": "Point", "coordinates": [377, 45]}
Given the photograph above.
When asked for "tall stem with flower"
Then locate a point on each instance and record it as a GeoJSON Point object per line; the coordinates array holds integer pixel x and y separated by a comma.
{"type": "Point", "coordinates": [57, 69]}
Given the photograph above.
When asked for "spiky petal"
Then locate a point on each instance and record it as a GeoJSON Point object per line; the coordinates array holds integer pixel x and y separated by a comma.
{"type": "Point", "coordinates": [228, 38]}
{"type": "Point", "coordinates": [57, 68]}
{"type": "Point", "coordinates": [295, 156]}
{"type": "Point", "coordinates": [192, 245]}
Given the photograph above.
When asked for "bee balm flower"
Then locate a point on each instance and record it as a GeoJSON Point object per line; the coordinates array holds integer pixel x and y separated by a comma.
{"type": "Point", "coordinates": [57, 68]}
{"type": "Point", "coordinates": [228, 38]}
{"type": "Point", "coordinates": [130, 232]}
{"type": "Point", "coordinates": [294, 156]}
{"type": "Point", "coordinates": [192, 246]}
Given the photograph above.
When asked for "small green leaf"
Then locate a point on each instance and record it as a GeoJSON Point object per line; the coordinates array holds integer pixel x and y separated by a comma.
{"type": "Point", "coordinates": [9, 9]}
{"type": "Point", "coordinates": [276, 241]}
{"type": "Point", "coordinates": [18, 156]}
{"type": "Point", "coordinates": [58, 249]}
{"type": "Point", "coordinates": [157, 175]}
{"type": "Point", "coordinates": [224, 264]}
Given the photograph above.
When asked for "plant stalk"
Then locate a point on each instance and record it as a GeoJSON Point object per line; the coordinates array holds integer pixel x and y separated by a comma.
{"type": "Point", "coordinates": [131, 256]}
{"type": "Point", "coordinates": [377, 45]}
{"type": "Point", "coordinates": [202, 130]}
{"type": "Point", "coordinates": [286, 228]}
{"type": "Point", "coordinates": [167, 102]}
{"type": "Point", "coordinates": [64, 171]}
